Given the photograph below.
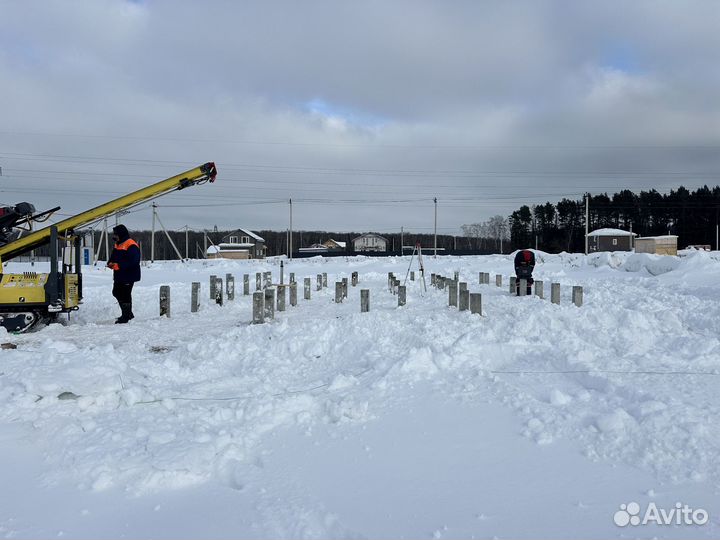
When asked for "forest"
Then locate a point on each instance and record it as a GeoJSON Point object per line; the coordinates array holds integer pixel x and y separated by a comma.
{"type": "Point", "coordinates": [692, 216]}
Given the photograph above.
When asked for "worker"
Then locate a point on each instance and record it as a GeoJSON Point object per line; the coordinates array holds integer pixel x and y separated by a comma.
{"type": "Point", "coordinates": [125, 263]}
{"type": "Point", "coordinates": [524, 266]}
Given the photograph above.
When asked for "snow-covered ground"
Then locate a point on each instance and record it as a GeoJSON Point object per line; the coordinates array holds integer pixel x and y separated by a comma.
{"type": "Point", "coordinates": [535, 420]}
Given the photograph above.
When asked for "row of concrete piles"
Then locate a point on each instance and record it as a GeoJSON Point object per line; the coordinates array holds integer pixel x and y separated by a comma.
{"type": "Point", "coordinates": [521, 288]}
{"type": "Point", "coordinates": [459, 295]}
{"type": "Point", "coordinates": [517, 287]}
{"type": "Point", "coordinates": [218, 293]}
{"type": "Point", "coordinates": [269, 297]}
{"type": "Point", "coordinates": [341, 292]}
{"type": "Point", "coordinates": [396, 289]}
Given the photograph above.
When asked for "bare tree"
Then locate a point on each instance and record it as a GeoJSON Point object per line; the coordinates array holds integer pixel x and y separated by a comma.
{"type": "Point", "coordinates": [496, 228]}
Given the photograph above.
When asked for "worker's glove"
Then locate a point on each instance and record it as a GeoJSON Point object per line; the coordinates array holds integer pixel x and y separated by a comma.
{"type": "Point", "coordinates": [113, 266]}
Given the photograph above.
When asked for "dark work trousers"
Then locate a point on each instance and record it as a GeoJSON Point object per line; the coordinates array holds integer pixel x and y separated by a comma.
{"type": "Point", "coordinates": [123, 292]}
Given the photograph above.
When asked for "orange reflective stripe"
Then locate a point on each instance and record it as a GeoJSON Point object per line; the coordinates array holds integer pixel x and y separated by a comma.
{"type": "Point", "coordinates": [126, 244]}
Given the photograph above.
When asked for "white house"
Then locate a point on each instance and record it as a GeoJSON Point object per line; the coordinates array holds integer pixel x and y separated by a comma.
{"type": "Point", "coordinates": [240, 244]}
{"type": "Point", "coordinates": [370, 242]}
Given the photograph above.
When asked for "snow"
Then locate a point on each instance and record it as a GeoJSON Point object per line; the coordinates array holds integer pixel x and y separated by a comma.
{"type": "Point", "coordinates": [252, 235]}
{"type": "Point", "coordinates": [611, 232]}
{"type": "Point", "coordinates": [650, 263]}
{"type": "Point", "coordinates": [534, 420]}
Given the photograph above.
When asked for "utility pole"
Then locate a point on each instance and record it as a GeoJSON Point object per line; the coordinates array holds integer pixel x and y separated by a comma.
{"type": "Point", "coordinates": [187, 252]}
{"type": "Point", "coordinates": [107, 242]}
{"type": "Point", "coordinates": [402, 243]}
{"type": "Point", "coordinates": [587, 220]}
{"type": "Point", "coordinates": [501, 233]}
{"type": "Point", "coordinates": [167, 234]}
{"type": "Point", "coordinates": [290, 242]}
{"type": "Point", "coordinates": [435, 244]}
{"type": "Point", "coordinates": [205, 244]}
{"type": "Point", "coordinates": [152, 235]}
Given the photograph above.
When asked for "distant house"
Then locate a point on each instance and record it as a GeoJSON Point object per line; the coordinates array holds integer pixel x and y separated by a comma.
{"type": "Point", "coordinates": [659, 245]}
{"type": "Point", "coordinates": [335, 245]}
{"type": "Point", "coordinates": [370, 242]}
{"type": "Point", "coordinates": [610, 240]}
{"type": "Point", "coordinates": [239, 244]}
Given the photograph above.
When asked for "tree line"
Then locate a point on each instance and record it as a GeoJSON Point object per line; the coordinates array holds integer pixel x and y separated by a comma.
{"type": "Point", "coordinates": [692, 216]}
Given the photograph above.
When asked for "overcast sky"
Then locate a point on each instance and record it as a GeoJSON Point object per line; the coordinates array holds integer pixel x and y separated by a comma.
{"type": "Point", "coordinates": [360, 111]}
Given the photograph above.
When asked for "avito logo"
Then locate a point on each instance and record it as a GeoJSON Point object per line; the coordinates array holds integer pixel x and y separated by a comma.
{"type": "Point", "coordinates": [680, 514]}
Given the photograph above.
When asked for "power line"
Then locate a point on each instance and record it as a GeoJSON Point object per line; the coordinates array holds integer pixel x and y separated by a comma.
{"type": "Point", "coordinates": [295, 169]}
{"type": "Point", "coordinates": [370, 145]}
{"type": "Point", "coordinates": [301, 185]}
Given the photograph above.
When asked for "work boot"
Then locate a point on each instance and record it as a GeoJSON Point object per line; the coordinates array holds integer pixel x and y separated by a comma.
{"type": "Point", "coordinates": [130, 313]}
{"type": "Point", "coordinates": [126, 314]}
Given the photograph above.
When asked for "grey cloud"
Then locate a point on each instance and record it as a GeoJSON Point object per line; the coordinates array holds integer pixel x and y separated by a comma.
{"type": "Point", "coordinates": [457, 93]}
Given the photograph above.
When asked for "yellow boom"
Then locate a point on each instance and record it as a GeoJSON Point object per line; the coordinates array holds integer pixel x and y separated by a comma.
{"type": "Point", "coordinates": [198, 175]}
